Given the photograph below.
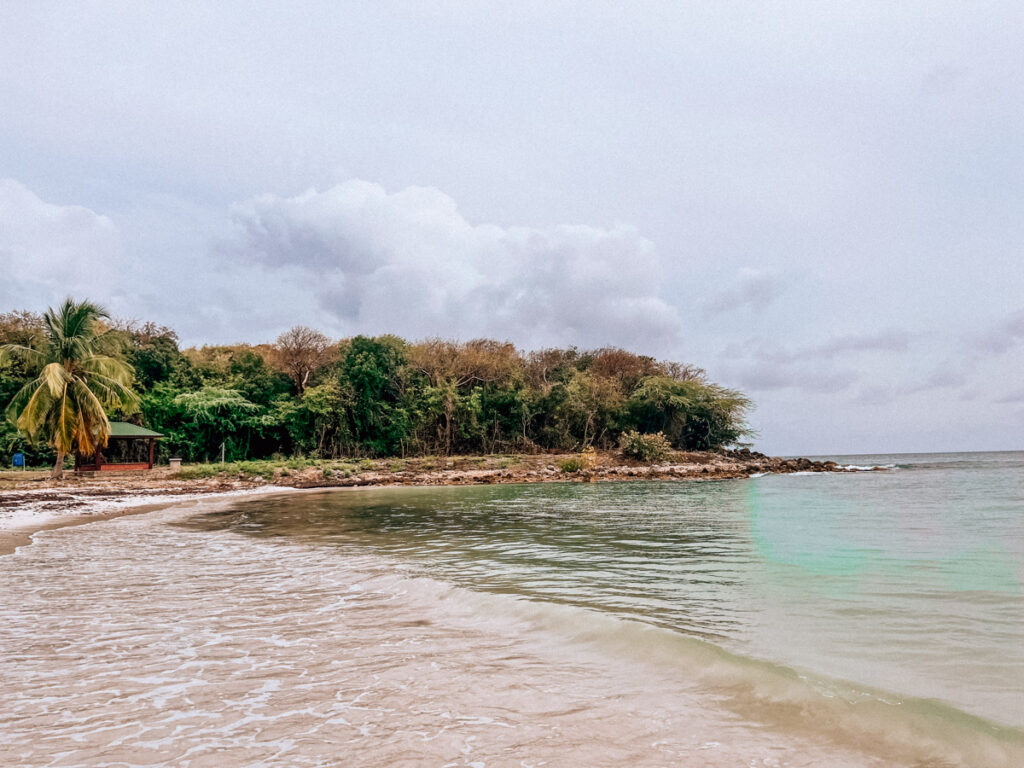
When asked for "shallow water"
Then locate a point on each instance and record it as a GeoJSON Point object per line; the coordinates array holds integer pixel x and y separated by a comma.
{"type": "Point", "coordinates": [857, 619]}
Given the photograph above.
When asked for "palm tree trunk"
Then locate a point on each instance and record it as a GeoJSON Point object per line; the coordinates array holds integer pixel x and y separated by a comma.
{"type": "Point", "coordinates": [58, 467]}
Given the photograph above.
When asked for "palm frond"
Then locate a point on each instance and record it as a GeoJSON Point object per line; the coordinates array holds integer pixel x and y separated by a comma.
{"type": "Point", "coordinates": [71, 329]}
{"type": "Point", "coordinates": [108, 367]}
{"type": "Point", "coordinates": [66, 418]}
{"type": "Point", "coordinates": [93, 428]}
{"type": "Point", "coordinates": [28, 354]}
{"type": "Point", "coordinates": [56, 378]}
{"type": "Point", "coordinates": [35, 402]}
{"type": "Point", "coordinates": [113, 393]}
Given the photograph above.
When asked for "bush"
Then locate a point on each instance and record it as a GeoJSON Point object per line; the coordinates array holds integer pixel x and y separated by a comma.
{"type": "Point", "coordinates": [571, 465]}
{"type": "Point", "coordinates": [649, 447]}
{"type": "Point", "coordinates": [200, 471]}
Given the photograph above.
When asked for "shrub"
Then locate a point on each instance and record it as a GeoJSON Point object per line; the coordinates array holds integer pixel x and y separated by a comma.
{"type": "Point", "coordinates": [649, 447]}
{"type": "Point", "coordinates": [571, 465]}
{"type": "Point", "coordinates": [200, 471]}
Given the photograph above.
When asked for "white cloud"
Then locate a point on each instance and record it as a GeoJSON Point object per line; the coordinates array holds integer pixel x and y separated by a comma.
{"type": "Point", "coordinates": [409, 262]}
{"type": "Point", "coordinates": [830, 366]}
{"type": "Point", "coordinates": [50, 251]}
{"type": "Point", "coordinates": [754, 289]}
{"type": "Point", "coordinates": [1001, 338]}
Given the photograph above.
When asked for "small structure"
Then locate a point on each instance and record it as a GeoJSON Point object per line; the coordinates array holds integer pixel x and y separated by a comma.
{"type": "Point", "coordinates": [129, 447]}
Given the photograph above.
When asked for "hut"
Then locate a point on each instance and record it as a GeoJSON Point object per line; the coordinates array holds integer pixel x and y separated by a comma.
{"type": "Point", "coordinates": [128, 447]}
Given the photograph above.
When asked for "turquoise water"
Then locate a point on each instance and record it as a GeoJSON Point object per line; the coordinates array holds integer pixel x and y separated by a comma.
{"type": "Point", "coordinates": [905, 586]}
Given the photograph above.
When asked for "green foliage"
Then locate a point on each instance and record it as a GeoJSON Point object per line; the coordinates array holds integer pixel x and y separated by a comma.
{"type": "Point", "coordinates": [571, 465]}
{"type": "Point", "coordinates": [383, 397]}
{"type": "Point", "coordinates": [201, 471]}
{"type": "Point", "coordinates": [212, 415]}
{"type": "Point", "coordinates": [693, 415]}
{"type": "Point", "coordinates": [649, 447]}
{"type": "Point", "coordinates": [75, 378]}
{"type": "Point", "coordinates": [375, 371]}
{"type": "Point", "coordinates": [317, 422]}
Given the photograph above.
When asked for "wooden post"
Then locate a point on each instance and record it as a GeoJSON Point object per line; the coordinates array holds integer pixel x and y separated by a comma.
{"type": "Point", "coordinates": [151, 453]}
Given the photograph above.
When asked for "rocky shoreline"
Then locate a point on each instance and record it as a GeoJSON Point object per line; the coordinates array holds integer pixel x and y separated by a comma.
{"type": "Point", "coordinates": [32, 500]}
{"type": "Point", "coordinates": [607, 467]}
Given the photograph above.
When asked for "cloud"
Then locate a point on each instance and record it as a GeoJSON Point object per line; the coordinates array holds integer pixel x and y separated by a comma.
{"type": "Point", "coordinates": [892, 340]}
{"type": "Point", "coordinates": [409, 262]}
{"type": "Point", "coordinates": [1012, 398]}
{"type": "Point", "coordinates": [949, 375]}
{"type": "Point", "coordinates": [761, 375]}
{"type": "Point", "coordinates": [943, 80]}
{"type": "Point", "coordinates": [754, 289]}
{"type": "Point", "coordinates": [49, 251]}
{"type": "Point", "coordinates": [1001, 338]}
{"type": "Point", "coordinates": [762, 364]}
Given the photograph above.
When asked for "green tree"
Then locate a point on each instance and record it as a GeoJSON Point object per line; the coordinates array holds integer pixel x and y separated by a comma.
{"type": "Point", "coordinates": [375, 370]}
{"type": "Point", "coordinates": [693, 415]}
{"type": "Point", "coordinates": [76, 381]}
{"type": "Point", "coordinates": [316, 422]}
{"type": "Point", "coordinates": [590, 409]}
{"type": "Point", "coordinates": [213, 415]}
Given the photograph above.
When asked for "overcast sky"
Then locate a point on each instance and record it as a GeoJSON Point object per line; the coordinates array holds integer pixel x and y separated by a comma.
{"type": "Point", "coordinates": [820, 203]}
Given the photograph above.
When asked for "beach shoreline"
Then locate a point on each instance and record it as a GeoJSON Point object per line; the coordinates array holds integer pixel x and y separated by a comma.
{"type": "Point", "coordinates": [31, 502]}
{"type": "Point", "coordinates": [678, 699]}
{"type": "Point", "coordinates": [359, 640]}
{"type": "Point", "coordinates": [64, 510]}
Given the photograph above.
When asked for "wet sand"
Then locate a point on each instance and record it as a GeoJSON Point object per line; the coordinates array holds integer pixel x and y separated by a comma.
{"type": "Point", "coordinates": [144, 642]}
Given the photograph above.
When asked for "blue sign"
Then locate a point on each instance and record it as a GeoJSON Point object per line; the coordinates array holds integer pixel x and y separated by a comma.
{"type": "Point", "coordinates": [19, 460]}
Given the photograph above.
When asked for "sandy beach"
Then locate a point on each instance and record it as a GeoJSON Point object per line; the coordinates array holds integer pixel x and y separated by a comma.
{"type": "Point", "coordinates": [247, 623]}
{"type": "Point", "coordinates": [317, 660]}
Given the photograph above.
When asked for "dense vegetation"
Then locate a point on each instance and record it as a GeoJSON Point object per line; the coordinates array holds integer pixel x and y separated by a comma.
{"type": "Point", "coordinates": [76, 377]}
{"type": "Point", "coordinates": [305, 395]}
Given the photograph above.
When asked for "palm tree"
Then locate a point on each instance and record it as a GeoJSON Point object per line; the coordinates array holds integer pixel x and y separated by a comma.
{"type": "Point", "coordinates": [65, 405]}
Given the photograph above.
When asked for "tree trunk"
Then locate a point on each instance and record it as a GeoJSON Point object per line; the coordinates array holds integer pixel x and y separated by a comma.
{"type": "Point", "coordinates": [58, 468]}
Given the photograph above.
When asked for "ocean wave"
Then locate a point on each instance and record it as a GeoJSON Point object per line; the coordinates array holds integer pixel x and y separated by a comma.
{"type": "Point", "coordinates": [866, 467]}
{"type": "Point", "coordinates": [213, 617]}
{"type": "Point", "coordinates": [919, 731]}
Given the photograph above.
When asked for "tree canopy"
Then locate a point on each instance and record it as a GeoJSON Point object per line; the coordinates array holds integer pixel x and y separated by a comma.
{"type": "Point", "coordinates": [379, 396]}
{"type": "Point", "coordinates": [75, 377]}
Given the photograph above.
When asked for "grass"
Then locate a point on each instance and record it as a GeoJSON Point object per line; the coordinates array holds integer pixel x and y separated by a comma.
{"type": "Point", "coordinates": [282, 466]}
{"type": "Point", "coordinates": [267, 468]}
{"type": "Point", "coordinates": [571, 465]}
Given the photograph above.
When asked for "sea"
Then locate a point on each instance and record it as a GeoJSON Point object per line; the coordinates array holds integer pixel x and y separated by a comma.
{"type": "Point", "coordinates": [863, 618]}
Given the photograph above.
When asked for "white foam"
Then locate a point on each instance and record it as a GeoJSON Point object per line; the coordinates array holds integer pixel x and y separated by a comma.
{"type": "Point", "coordinates": [55, 505]}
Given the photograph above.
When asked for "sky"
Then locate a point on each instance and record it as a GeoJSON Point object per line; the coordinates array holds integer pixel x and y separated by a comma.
{"type": "Point", "coordinates": [821, 204]}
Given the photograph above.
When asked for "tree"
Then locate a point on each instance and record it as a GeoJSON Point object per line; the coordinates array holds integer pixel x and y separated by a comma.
{"type": "Point", "coordinates": [626, 369]}
{"type": "Point", "coordinates": [693, 415]}
{"type": "Point", "coordinates": [590, 408]}
{"type": "Point", "coordinates": [457, 375]}
{"type": "Point", "coordinates": [152, 350]}
{"type": "Point", "coordinates": [76, 382]}
{"type": "Point", "coordinates": [213, 415]}
{"type": "Point", "coordinates": [374, 371]}
{"type": "Point", "coordinates": [300, 353]}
